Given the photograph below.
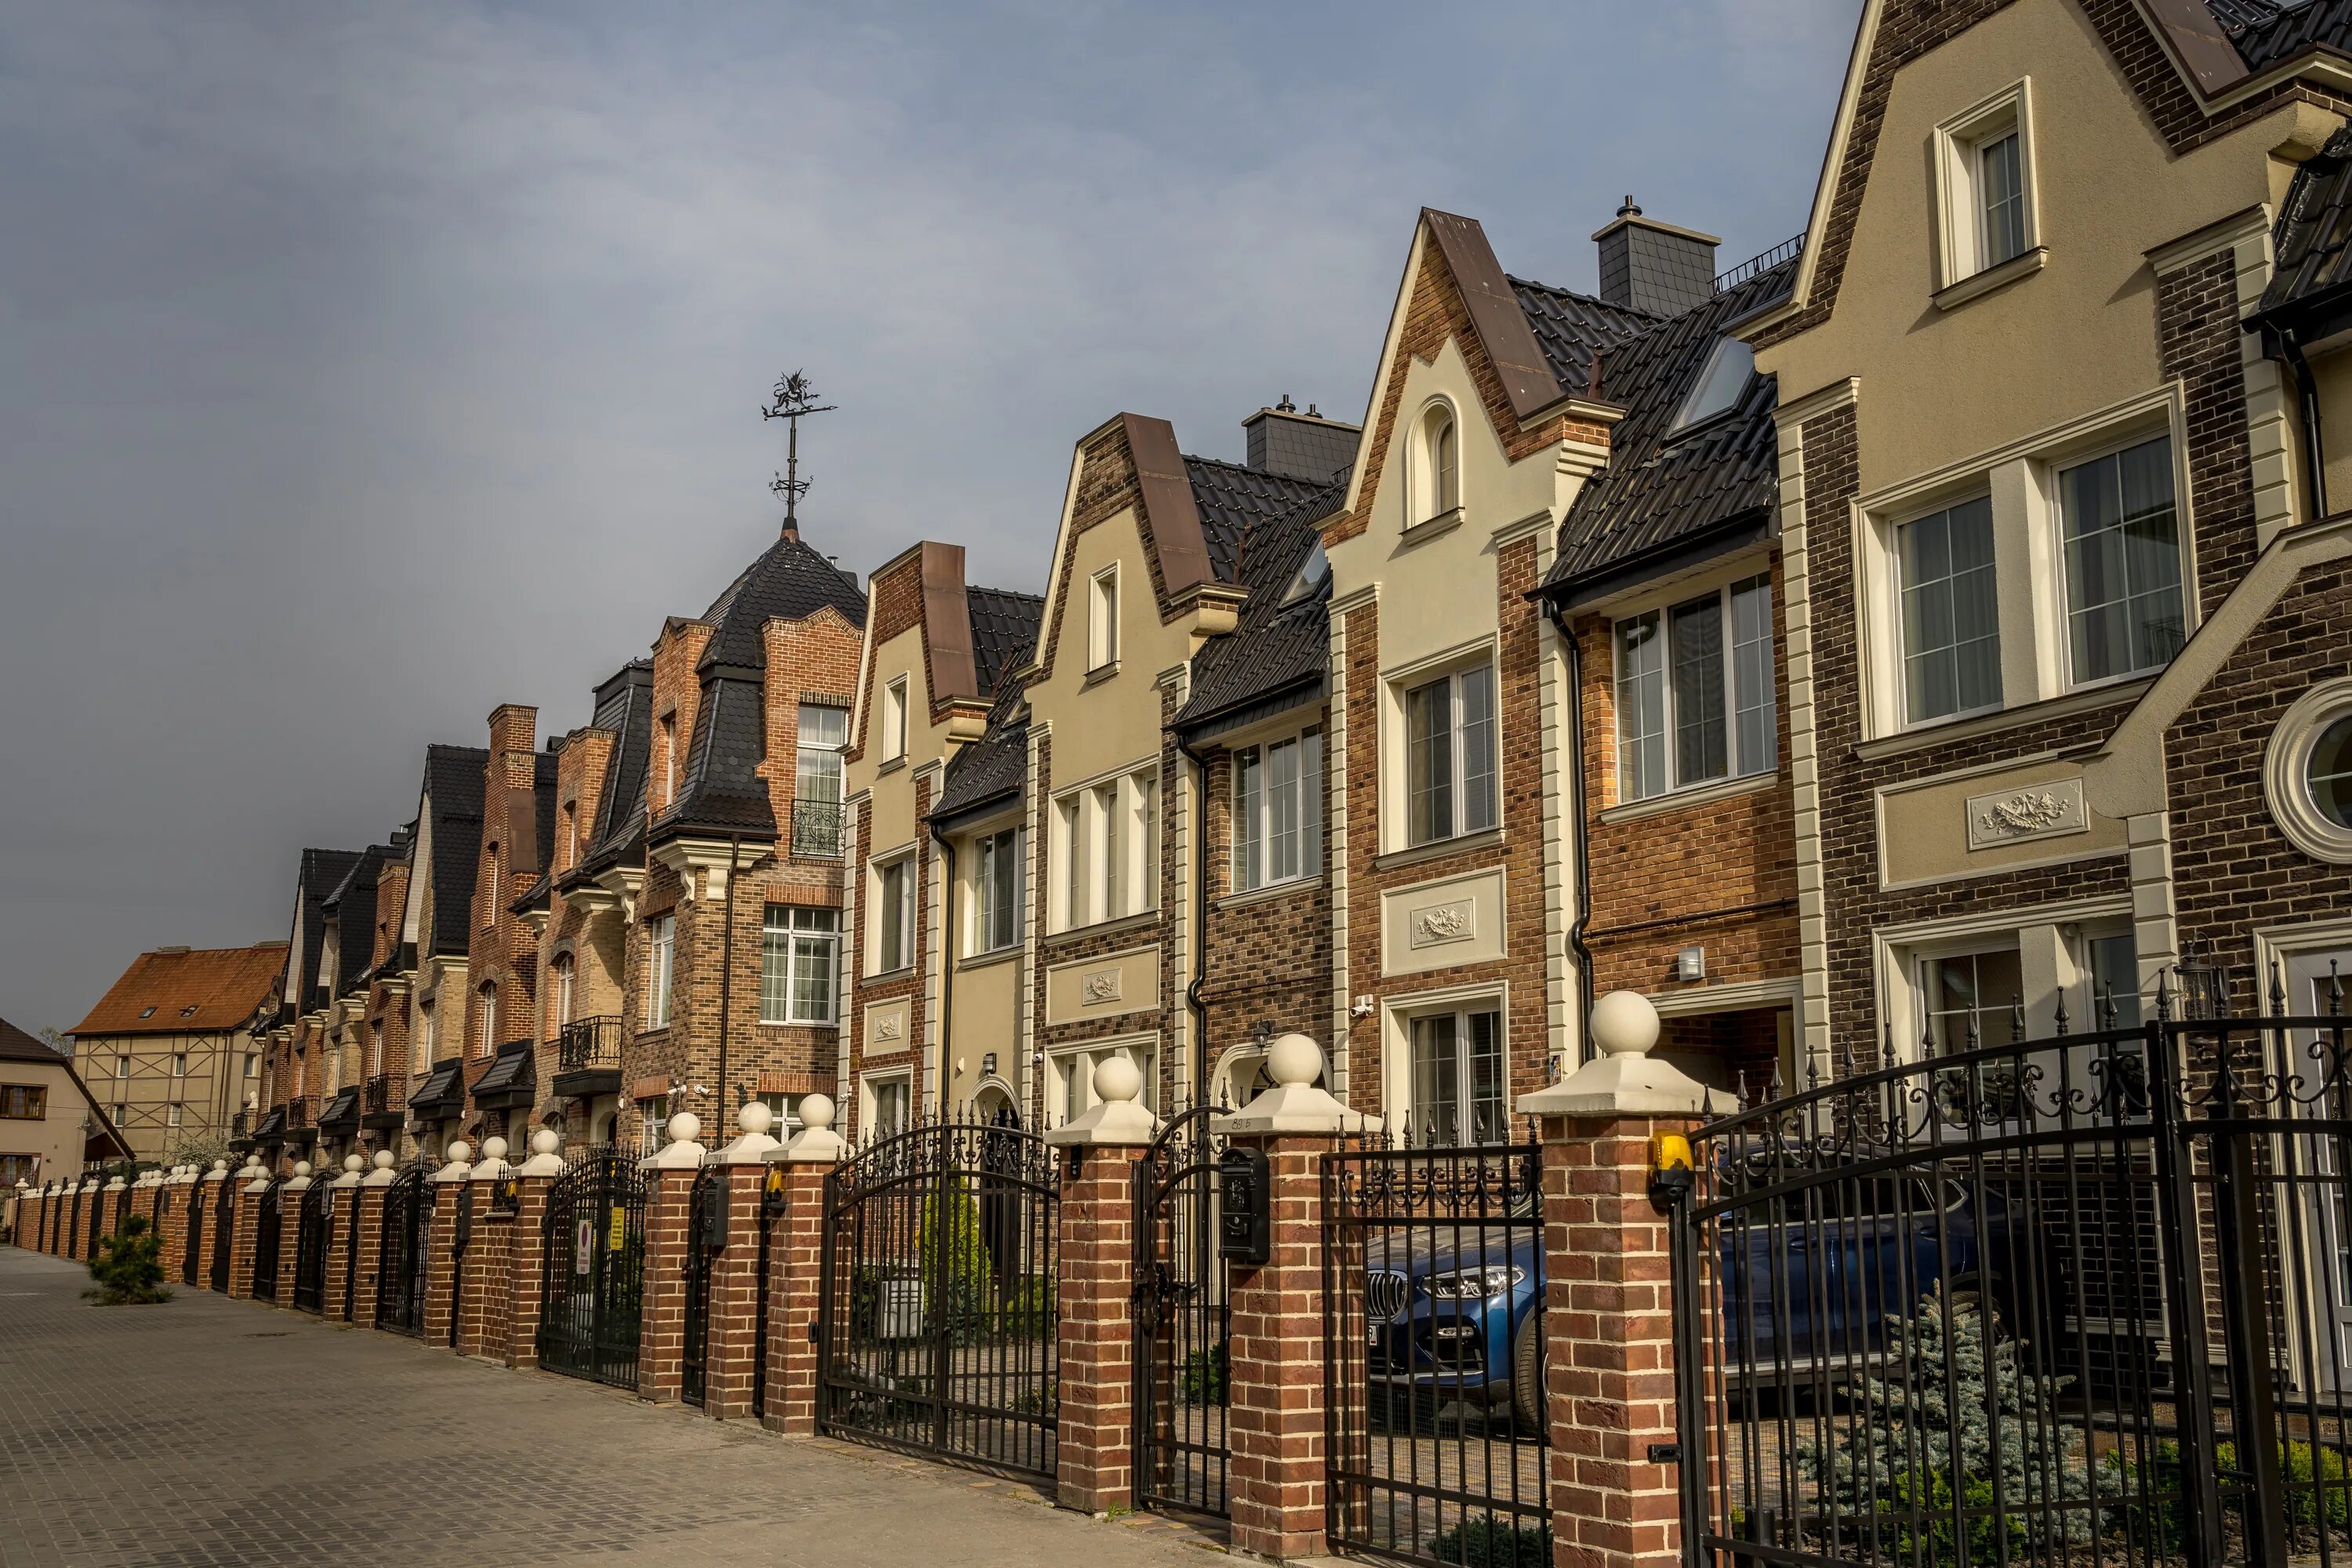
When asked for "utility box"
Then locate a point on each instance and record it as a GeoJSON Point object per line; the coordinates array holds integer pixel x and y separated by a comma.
{"type": "Point", "coordinates": [1245, 1231]}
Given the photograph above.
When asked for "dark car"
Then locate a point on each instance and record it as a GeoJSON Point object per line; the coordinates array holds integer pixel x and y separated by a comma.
{"type": "Point", "coordinates": [1450, 1313]}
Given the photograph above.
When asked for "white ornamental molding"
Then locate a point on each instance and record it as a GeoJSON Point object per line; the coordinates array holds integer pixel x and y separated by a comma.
{"type": "Point", "coordinates": [889, 1025]}
{"type": "Point", "coordinates": [2038, 811]}
{"type": "Point", "coordinates": [1102, 985]}
{"type": "Point", "coordinates": [1442, 923]}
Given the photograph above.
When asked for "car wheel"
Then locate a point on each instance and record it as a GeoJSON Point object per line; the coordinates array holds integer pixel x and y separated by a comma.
{"type": "Point", "coordinates": [1526, 1374]}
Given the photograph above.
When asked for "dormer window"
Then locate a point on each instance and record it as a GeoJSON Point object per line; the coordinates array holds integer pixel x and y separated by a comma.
{"type": "Point", "coordinates": [1731, 366]}
{"type": "Point", "coordinates": [1434, 467]}
{"type": "Point", "coordinates": [1312, 575]}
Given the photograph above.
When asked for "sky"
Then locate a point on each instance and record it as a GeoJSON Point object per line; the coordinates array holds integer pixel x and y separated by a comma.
{"type": "Point", "coordinates": [364, 366]}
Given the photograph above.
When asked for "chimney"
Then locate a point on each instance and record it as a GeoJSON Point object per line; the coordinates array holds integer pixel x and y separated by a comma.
{"type": "Point", "coordinates": [1298, 446]}
{"type": "Point", "coordinates": [1652, 266]}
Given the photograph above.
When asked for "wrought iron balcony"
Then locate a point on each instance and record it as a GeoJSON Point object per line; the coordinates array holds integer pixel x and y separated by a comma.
{"type": "Point", "coordinates": [240, 1124]}
{"type": "Point", "coordinates": [298, 1112]}
{"type": "Point", "coordinates": [381, 1099]}
{"type": "Point", "coordinates": [816, 829]}
{"type": "Point", "coordinates": [589, 1044]}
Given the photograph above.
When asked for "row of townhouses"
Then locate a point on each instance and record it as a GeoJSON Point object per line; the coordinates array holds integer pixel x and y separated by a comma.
{"type": "Point", "coordinates": [1938, 625]}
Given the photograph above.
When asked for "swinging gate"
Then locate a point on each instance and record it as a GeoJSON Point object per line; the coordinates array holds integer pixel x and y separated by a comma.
{"type": "Point", "coordinates": [706, 1234]}
{"type": "Point", "coordinates": [936, 1329]}
{"type": "Point", "coordinates": [224, 1231]}
{"type": "Point", "coordinates": [2081, 1300]}
{"type": "Point", "coordinates": [310, 1247]}
{"type": "Point", "coordinates": [402, 1252]}
{"type": "Point", "coordinates": [594, 1280]}
{"type": "Point", "coordinates": [266, 1234]}
{"type": "Point", "coordinates": [1181, 1320]}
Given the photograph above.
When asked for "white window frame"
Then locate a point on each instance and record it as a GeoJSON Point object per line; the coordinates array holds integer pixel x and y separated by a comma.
{"type": "Point", "coordinates": [1102, 618]}
{"type": "Point", "coordinates": [566, 976]}
{"type": "Point", "coordinates": [1255, 804]}
{"type": "Point", "coordinates": [422, 1061]}
{"type": "Point", "coordinates": [486, 1044]}
{"type": "Point", "coordinates": [877, 947]}
{"type": "Point", "coordinates": [1069, 1074]}
{"type": "Point", "coordinates": [995, 859]}
{"type": "Point", "coordinates": [1737, 764]}
{"type": "Point", "coordinates": [870, 1090]}
{"type": "Point", "coordinates": [1402, 688]}
{"type": "Point", "coordinates": [666, 732]}
{"type": "Point", "coordinates": [661, 963]}
{"type": "Point", "coordinates": [2058, 470]}
{"type": "Point", "coordinates": [894, 718]}
{"type": "Point", "coordinates": [1105, 850]}
{"type": "Point", "coordinates": [2286, 761]}
{"type": "Point", "coordinates": [2054, 960]}
{"type": "Point", "coordinates": [1900, 654]}
{"type": "Point", "coordinates": [1958, 143]}
{"type": "Point", "coordinates": [785, 929]}
{"type": "Point", "coordinates": [1433, 467]}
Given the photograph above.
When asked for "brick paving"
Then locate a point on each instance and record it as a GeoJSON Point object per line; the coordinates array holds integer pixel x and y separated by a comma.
{"type": "Point", "coordinates": [208, 1431]}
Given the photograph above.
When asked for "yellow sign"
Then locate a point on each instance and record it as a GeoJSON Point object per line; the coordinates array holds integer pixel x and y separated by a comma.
{"type": "Point", "coordinates": [620, 1230]}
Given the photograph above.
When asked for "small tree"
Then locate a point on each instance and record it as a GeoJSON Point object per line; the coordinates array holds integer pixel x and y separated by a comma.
{"type": "Point", "coordinates": [948, 1232]}
{"type": "Point", "coordinates": [129, 1265]}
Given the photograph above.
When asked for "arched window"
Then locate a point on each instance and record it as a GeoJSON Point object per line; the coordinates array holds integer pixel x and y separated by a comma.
{"type": "Point", "coordinates": [1435, 465]}
{"type": "Point", "coordinates": [489, 1042]}
{"type": "Point", "coordinates": [563, 977]}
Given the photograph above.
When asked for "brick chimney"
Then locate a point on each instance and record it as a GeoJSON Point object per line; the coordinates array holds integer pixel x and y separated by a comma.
{"type": "Point", "coordinates": [1298, 446]}
{"type": "Point", "coordinates": [1652, 266]}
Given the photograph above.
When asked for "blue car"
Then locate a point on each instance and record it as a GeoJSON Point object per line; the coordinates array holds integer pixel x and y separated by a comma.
{"type": "Point", "coordinates": [1450, 1311]}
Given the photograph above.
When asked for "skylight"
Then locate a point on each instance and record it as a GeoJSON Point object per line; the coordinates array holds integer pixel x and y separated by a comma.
{"type": "Point", "coordinates": [1312, 574]}
{"type": "Point", "coordinates": [1730, 368]}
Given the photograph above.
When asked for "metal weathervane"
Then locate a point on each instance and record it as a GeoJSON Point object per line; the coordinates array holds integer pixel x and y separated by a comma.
{"type": "Point", "coordinates": [794, 396]}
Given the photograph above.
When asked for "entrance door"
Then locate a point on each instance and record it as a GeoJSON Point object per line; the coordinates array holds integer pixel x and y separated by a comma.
{"type": "Point", "coordinates": [1181, 1321]}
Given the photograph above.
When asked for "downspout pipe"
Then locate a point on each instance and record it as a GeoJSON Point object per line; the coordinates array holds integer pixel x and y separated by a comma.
{"type": "Point", "coordinates": [1194, 1002]}
{"type": "Point", "coordinates": [1579, 835]}
{"type": "Point", "coordinates": [727, 977]}
{"type": "Point", "coordinates": [947, 953]}
{"type": "Point", "coordinates": [2314, 448]}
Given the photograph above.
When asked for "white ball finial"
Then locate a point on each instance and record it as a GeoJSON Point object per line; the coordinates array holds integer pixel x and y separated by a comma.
{"type": "Point", "coordinates": [1117, 1081]}
{"type": "Point", "coordinates": [1625, 1023]}
{"type": "Point", "coordinates": [302, 1167]}
{"type": "Point", "coordinates": [1294, 1059]}
{"type": "Point", "coordinates": [352, 1162]}
{"type": "Point", "coordinates": [384, 1160]}
{"type": "Point", "coordinates": [546, 1141]}
{"type": "Point", "coordinates": [685, 1127]}
{"type": "Point", "coordinates": [220, 1164]}
{"type": "Point", "coordinates": [460, 1152]}
{"type": "Point", "coordinates": [754, 1118]}
{"type": "Point", "coordinates": [494, 1148]}
{"type": "Point", "coordinates": [816, 1111]}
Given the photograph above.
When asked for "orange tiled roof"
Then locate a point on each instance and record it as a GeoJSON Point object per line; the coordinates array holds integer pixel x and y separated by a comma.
{"type": "Point", "coordinates": [177, 991]}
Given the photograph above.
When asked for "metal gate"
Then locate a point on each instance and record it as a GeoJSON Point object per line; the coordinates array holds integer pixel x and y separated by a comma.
{"type": "Point", "coordinates": [706, 1234]}
{"type": "Point", "coordinates": [402, 1251]}
{"type": "Point", "coordinates": [267, 1233]}
{"type": "Point", "coordinates": [1437, 1429]}
{"type": "Point", "coordinates": [593, 1282]}
{"type": "Point", "coordinates": [2084, 1299]}
{"type": "Point", "coordinates": [937, 1323]}
{"type": "Point", "coordinates": [73, 1224]}
{"type": "Point", "coordinates": [310, 1247]}
{"type": "Point", "coordinates": [1182, 1319]}
{"type": "Point", "coordinates": [121, 1206]}
{"type": "Point", "coordinates": [224, 1230]}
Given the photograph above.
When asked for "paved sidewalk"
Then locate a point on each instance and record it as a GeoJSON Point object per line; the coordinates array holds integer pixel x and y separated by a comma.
{"type": "Point", "coordinates": [211, 1431]}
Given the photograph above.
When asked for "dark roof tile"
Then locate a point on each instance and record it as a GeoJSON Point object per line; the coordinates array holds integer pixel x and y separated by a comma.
{"type": "Point", "coordinates": [1232, 499]}
{"type": "Point", "coordinates": [1004, 630]}
{"type": "Point", "coordinates": [1277, 643]}
{"type": "Point", "coordinates": [2312, 239]}
{"type": "Point", "coordinates": [1573, 329]}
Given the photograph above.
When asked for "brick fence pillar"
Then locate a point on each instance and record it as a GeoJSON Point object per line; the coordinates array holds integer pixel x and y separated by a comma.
{"type": "Point", "coordinates": [449, 1183]}
{"type": "Point", "coordinates": [661, 1318]}
{"type": "Point", "coordinates": [28, 1232]}
{"type": "Point", "coordinates": [289, 1229]}
{"type": "Point", "coordinates": [339, 1294]}
{"type": "Point", "coordinates": [528, 1285]}
{"type": "Point", "coordinates": [1609, 1330]}
{"type": "Point", "coordinates": [1093, 1282]}
{"type": "Point", "coordinates": [110, 1203]}
{"type": "Point", "coordinates": [172, 1221]}
{"type": "Point", "coordinates": [1275, 1483]}
{"type": "Point", "coordinates": [202, 1232]}
{"type": "Point", "coordinates": [251, 1182]}
{"type": "Point", "coordinates": [157, 1181]}
{"type": "Point", "coordinates": [486, 1281]}
{"type": "Point", "coordinates": [738, 1293]}
{"type": "Point", "coordinates": [367, 1253]}
{"type": "Point", "coordinates": [796, 1268]}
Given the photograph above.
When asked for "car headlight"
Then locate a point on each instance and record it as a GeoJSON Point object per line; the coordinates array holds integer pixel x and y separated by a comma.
{"type": "Point", "coordinates": [1474, 1284]}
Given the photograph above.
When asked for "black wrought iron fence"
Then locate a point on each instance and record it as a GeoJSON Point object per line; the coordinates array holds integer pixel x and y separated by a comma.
{"type": "Point", "coordinates": [380, 1097]}
{"type": "Point", "coordinates": [267, 1233]}
{"type": "Point", "coordinates": [586, 1045]}
{"type": "Point", "coordinates": [706, 1236]}
{"type": "Point", "coordinates": [311, 1223]}
{"type": "Point", "coordinates": [1183, 1321]}
{"type": "Point", "coordinates": [2082, 1299]}
{"type": "Point", "coordinates": [816, 827]}
{"type": "Point", "coordinates": [298, 1113]}
{"type": "Point", "coordinates": [1434, 1336]}
{"type": "Point", "coordinates": [403, 1249]}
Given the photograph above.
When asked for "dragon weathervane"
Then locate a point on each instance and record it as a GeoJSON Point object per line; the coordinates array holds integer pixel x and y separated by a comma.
{"type": "Point", "coordinates": [794, 396]}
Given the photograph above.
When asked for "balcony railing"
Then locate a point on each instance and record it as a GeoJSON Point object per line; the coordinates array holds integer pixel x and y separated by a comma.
{"type": "Point", "coordinates": [240, 1124]}
{"type": "Point", "coordinates": [298, 1112]}
{"type": "Point", "coordinates": [589, 1044]}
{"type": "Point", "coordinates": [816, 829]}
{"type": "Point", "coordinates": [379, 1099]}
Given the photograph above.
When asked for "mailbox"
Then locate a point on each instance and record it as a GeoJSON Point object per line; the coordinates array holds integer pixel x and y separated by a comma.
{"type": "Point", "coordinates": [711, 1214]}
{"type": "Point", "coordinates": [463, 1230]}
{"type": "Point", "coordinates": [1243, 1232]}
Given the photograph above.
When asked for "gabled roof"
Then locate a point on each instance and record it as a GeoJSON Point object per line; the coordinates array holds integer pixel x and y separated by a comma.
{"type": "Point", "coordinates": [2268, 33]}
{"type": "Point", "coordinates": [225, 985]}
{"type": "Point", "coordinates": [354, 900]}
{"type": "Point", "coordinates": [1277, 646]}
{"type": "Point", "coordinates": [624, 708]}
{"type": "Point", "coordinates": [1004, 630]}
{"type": "Point", "coordinates": [454, 782]}
{"type": "Point", "coordinates": [1231, 498]}
{"type": "Point", "coordinates": [16, 1045]}
{"type": "Point", "coordinates": [1659, 494]}
{"type": "Point", "coordinates": [2312, 240]}
{"type": "Point", "coordinates": [323, 872]}
{"type": "Point", "coordinates": [1575, 329]}
{"type": "Point", "coordinates": [997, 764]}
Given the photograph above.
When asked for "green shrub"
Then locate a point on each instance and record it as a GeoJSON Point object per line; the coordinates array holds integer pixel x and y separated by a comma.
{"type": "Point", "coordinates": [1483, 1541]}
{"type": "Point", "coordinates": [1203, 1379]}
{"type": "Point", "coordinates": [129, 1265]}
{"type": "Point", "coordinates": [2316, 1482]}
{"type": "Point", "coordinates": [948, 1240]}
{"type": "Point", "coordinates": [1030, 1314]}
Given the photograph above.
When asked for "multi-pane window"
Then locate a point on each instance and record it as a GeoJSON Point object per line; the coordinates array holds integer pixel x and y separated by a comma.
{"type": "Point", "coordinates": [661, 951]}
{"type": "Point", "coordinates": [565, 974]}
{"type": "Point", "coordinates": [1951, 622]}
{"type": "Point", "coordinates": [1694, 691]}
{"type": "Point", "coordinates": [24, 1102]}
{"type": "Point", "coordinates": [1437, 465]}
{"type": "Point", "coordinates": [2000, 194]}
{"type": "Point", "coordinates": [798, 948]}
{"type": "Point", "coordinates": [1458, 1089]}
{"type": "Point", "coordinates": [996, 892]}
{"type": "Point", "coordinates": [1074, 1077]}
{"type": "Point", "coordinates": [653, 1115]}
{"type": "Point", "coordinates": [15, 1168]}
{"type": "Point", "coordinates": [894, 915]}
{"type": "Point", "coordinates": [375, 1049]}
{"type": "Point", "coordinates": [1102, 619]}
{"type": "Point", "coordinates": [817, 790]}
{"type": "Point", "coordinates": [2124, 610]}
{"type": "Point", "coordinates": [488, 1041]}
{"type": "Point", "coordinates": [893, 1101]}
{"type": "Point", "coordinates": [1450, 785]}
{"type": "Point", "coordinates": [2327, 772]}
{"type": "Point", "coordinates": [1278, 811]}
{"type": "Point", "coordinates": [1965, 995]}
{"type": "Point", "coordinates": [1108, 859]}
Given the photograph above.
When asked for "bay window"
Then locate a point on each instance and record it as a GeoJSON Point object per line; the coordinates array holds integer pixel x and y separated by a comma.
{"type": "Point", "coordinates": [1694, 691]}
{"type": "Point", "coordinates": [1278, 811]}
{"type": "Point", "coordinates": [1450, 762]}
